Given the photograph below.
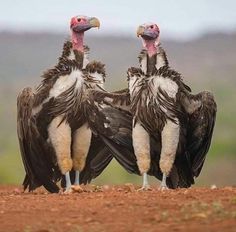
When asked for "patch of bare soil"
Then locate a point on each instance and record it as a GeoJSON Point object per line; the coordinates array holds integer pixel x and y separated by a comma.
{"type": "Point", "coordinates": [117, 209]}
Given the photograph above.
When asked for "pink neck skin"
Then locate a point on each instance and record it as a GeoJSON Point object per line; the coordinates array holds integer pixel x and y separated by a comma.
{"type": "Point", "coordinates": [151, 46]}
{"type": "Point", "coordinates": [78, 41]}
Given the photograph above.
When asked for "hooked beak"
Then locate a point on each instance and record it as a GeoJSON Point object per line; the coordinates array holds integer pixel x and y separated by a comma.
{"type": "Point", "coordinates": [94, 22]}
{"type": "Point", "coordinates": [84, 26]}
{"type": "Point", "coordinates": [140, 31]}
{"type": "Point", "coordinates": [147, 33]}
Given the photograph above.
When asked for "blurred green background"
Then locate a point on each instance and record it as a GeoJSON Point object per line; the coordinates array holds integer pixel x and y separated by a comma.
{"type": "Point", "coordinates": [206, 62]}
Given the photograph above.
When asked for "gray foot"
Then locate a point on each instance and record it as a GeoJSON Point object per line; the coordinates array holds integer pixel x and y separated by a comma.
{"type": "Point", "coordinates": [145, 186]}
{"type": "Point", "coordinates": [68, 191]}
{"type": "Point", "coordinates": [163, 188]}
{"type": "Point", "coordinates": [163, 185]}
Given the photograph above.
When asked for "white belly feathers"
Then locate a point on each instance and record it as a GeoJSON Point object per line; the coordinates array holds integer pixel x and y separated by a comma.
{"type": "Point", "coordinates": [63, 83]}
{"type": "Point", "coordinates": [167, 85]}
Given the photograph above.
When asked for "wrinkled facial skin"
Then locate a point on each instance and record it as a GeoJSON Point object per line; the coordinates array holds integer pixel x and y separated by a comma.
{"type": "Point", "coordinates": [80, 24]}
{"type": "Point", "coordinates": [148, 31]}
{"type": "Point", "coordinates": [150, 34]}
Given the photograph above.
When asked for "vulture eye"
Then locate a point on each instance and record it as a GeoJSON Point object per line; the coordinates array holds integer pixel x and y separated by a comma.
{"type": "Point", "coordinates": [151, 26]}
{"type": "Point", "coordinates": [79, 19]}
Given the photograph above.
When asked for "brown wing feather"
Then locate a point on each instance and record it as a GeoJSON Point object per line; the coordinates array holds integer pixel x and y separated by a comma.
{"type": "Point", "coordinates": [97, 160]}
{"type": "Point", "coordinates": [24, 107]}
{"type": "Point", "coordinates": [35, 151]}
{"type": "Point", "coordinates": [200, 131]}
{"type": "Point", "coordinates": [118, 99]}
{"type": "Point", "coordinates": [114, 127]}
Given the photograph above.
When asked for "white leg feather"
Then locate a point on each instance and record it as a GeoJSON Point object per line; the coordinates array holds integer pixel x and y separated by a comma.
{"type": "Point", "coordinates": [60, 137]}
{"type": "Point", "coordinates": [170, 140]}
{"type": "Point", "coordinates": [80, 146]}
{"type": "Point", "coordinates": [141, 144]}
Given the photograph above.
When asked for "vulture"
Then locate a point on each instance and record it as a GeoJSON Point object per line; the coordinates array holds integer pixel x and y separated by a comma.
{"type": "Point", "coordinates": [171, 127]}
{"type": "Point", "coordinates": [61, 131]}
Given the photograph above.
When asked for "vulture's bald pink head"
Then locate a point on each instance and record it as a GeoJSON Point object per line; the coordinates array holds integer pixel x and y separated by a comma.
{"type": "Point", "coordinates": [150, 33]}
{"type": "Point", "coordinates": [78, 25]}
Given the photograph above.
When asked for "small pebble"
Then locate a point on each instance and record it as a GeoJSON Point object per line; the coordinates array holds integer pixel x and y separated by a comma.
{"type": "Point", "coordinates": [213, 186]}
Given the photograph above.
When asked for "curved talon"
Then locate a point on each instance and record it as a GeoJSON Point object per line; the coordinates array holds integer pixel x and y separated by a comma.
{"type": "Point", "coordinates": [145, 188]}
{"type": "Point", "coordinates": [73, 189]}
{"type": "Point", "coordinates": [163, 188]}
{"type": "Point", "coordinates": [77, 189]}
{"type": "Point", "coordinates": [68, 191]}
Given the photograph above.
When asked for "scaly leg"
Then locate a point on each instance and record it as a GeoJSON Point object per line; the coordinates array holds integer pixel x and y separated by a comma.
{"type": "Point", "coordinates": [163, 183]}
{"type": "Point", "coordinates": [76, 178]}
{"type": "Point", "coordinates": [68, 183]}
{"type": "Point", "coordinates": [145, 185]}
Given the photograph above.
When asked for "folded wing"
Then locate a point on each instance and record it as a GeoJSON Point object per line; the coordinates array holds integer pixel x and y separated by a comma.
{"type": "Point", "coordinates": [200, 131]}
{"type": "Point", "coordinates": [39, 166]}
{"type": "Point", "coordinates": [113, 126]}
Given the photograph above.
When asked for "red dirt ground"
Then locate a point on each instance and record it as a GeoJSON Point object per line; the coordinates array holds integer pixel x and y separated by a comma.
{"type": "Point", "coordinates": [117, 209]}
